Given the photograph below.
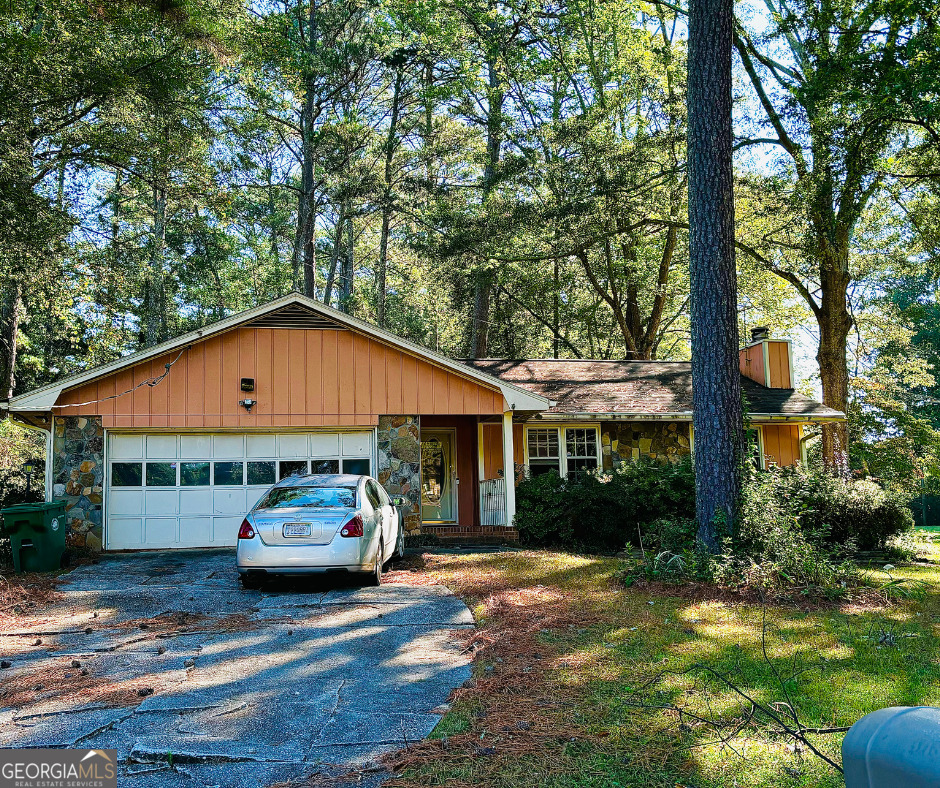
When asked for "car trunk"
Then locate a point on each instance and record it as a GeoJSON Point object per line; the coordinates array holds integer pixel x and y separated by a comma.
{"type": "Point", "coordinates": [302, 525]}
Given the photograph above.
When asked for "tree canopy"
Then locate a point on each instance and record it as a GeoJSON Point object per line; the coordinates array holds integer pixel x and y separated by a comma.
{"type": "Point", "coordinates": [487, 178]}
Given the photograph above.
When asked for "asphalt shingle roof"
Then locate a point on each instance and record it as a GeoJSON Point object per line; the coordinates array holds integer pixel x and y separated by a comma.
{"type": "Point", "coordinates": [640, 387]}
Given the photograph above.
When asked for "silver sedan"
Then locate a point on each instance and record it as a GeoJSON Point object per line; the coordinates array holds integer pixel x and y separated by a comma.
{"type": "Point", "coordinates": [320, 523]}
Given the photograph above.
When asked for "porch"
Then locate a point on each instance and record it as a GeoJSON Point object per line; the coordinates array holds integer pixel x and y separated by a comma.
{"type": "Point", "coordinates": [464, 495]}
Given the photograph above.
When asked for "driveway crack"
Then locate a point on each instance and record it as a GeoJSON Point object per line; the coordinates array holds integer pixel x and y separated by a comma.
{"type": "Point", "coordinates": [102, 728]}
{"type": "Point", "coordinates": [336, 701]}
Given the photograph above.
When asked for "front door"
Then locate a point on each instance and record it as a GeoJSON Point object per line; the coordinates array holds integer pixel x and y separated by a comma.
{"type": "Point", "coordinates": [438, 477]}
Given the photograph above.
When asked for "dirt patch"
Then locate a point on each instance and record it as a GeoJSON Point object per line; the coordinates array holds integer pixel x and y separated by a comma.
{"type": "Point", "coordinates": [180, 622]}
{"type": "Point", "coordinates": [24, 596]}
{"type": "Point", "coordinates": [411, 570]}
{"type": "Point", "coordinates": [62, 681]}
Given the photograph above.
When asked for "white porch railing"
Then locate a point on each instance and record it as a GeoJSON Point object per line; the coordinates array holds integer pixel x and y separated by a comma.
{"type": "Point", "coordinates": [493, 502]}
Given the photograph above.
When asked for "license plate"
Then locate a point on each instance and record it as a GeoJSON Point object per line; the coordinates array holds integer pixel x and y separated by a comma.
{"type": "Point", "coordinates": [297, 529]}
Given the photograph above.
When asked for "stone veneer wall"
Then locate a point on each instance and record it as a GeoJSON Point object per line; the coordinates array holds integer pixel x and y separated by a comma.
{"type": "Point", "coordinates": [78, 476]}
{"type": "Point", "coordinates": [399, 448]}
{"type": "Point", "coordinates": [622, 441]}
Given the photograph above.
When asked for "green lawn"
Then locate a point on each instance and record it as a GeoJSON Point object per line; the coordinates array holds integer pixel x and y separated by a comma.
{"type": "Point", "coordinates": [564, 651]}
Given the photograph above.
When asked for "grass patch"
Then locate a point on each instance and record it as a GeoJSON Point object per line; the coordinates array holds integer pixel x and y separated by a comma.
{"type": "Point", "coordinates": [564, 657]}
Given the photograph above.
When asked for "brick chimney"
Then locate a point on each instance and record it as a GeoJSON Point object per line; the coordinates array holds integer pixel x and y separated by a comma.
{"type": "Point", "coordinates": [767, 361]}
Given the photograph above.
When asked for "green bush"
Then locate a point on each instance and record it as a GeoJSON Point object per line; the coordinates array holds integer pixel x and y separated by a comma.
{"type": "Point", "coordinates": [836, 513]}
{"type": "Point", "coordinates": [605, 509]}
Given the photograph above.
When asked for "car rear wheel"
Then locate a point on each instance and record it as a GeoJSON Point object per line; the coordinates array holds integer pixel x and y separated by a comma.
{"type": "Point", "coordinates": [375, 579]}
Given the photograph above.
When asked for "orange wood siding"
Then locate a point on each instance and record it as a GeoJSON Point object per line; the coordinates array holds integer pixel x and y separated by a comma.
{"type": "Point", "coordinates": [303, 378]}
{"type": "Point", "coordinates": [752, 363]}
{"type": "Point", "coordinates": [778, 359]}
{"type": "Point", "coordinates": [492, 450]}
{"type": "Point", "coordinates": [781, 444]}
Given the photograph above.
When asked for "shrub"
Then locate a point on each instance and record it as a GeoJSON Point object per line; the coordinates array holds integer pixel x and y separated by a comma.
{"type": "Point", "coordinates": [829, 511]}
{"type": "Point", "coordinates": [605, 509]}
{"type": "Point", "coordinates": [797, 519]}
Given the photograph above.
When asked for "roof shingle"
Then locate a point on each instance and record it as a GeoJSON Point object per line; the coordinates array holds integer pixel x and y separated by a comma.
{"type": "Point", "coordinates": [635, 387]}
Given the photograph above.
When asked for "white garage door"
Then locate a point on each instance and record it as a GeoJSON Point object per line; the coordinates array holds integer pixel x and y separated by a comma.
{"type": "Point", "coordinates": [193, 490]}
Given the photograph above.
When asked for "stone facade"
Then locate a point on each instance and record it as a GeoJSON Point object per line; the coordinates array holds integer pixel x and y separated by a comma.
{"type": "Point", "coordinates": [622, 441]}
{"type": "Point", "coordinates": [78, 476]}
{"type": "Point", "coordinates": [399, 449]}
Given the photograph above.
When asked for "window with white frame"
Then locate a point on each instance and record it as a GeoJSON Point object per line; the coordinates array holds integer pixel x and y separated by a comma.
{"type": "Point", "coordinates": [544, 451]}
{"type": "Point", "coordinates": [563, 450]}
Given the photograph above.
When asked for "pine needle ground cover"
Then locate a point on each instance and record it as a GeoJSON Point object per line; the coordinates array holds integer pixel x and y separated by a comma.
{"type": "Point", "coordinates": [580, 681]}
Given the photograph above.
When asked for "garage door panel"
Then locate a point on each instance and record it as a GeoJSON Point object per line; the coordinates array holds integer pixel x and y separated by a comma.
{"type": "Point", "coordinates": [228, 446]}
{"type": "Point", "coordinates": [225, 530]}
{"type": "Point", "coordinates": [195, 531]}
{"type": "Point", "coordinates": [293, 445]}
{"type": "Point", "coordinates": [196, 446]}
{"type": "Point", "coordinates": [196, 501]}
{"type": "Point", "coordinates": [185, 510]}
{"type": "Point", "coordinates": [126, 502]}
{"type": "Point", "coordinates": [161, 501]}
{"type": "Point", "coordinates": [357, 444]}
{"type": "Point", "coordinates": [161, 531]}
{"type": "Point", "coordinates": [125, 534]}
{"type": "Point", "coordinates": [324, 444]}
{"type": "Point", "coordinates": [229, 501]}
{"type": "Point", "coordinates": [161, 447]}
{"type": "Point", "coordinates": [127, 447]}
{"type": "Point", "coordinates": [260, 446]}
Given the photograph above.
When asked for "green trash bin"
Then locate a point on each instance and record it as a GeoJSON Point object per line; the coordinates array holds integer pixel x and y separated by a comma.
{"type": "Point", "coordinates": [37, 535]}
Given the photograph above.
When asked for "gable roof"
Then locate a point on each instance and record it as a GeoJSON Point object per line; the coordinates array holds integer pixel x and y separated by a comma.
{"type": "Point", "coordinates": [638, 388]}
{"type": "Point", "coordinates": [293, 310]}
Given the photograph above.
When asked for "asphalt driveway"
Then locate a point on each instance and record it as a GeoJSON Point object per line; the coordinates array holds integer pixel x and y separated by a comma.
{"type": "Point", "coordinates": [197, 682]}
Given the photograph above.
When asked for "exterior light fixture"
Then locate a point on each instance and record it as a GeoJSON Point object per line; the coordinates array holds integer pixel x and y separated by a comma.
{"type": "Point", "coordinates": [247, 404]}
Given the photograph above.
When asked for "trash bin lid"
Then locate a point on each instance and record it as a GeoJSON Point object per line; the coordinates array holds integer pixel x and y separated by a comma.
{"type": "Point", "coordinates": [24, 507]}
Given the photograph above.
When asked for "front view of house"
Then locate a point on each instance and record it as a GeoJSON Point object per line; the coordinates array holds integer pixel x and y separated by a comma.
{"type": "Point", "coordinates": [170, 447]}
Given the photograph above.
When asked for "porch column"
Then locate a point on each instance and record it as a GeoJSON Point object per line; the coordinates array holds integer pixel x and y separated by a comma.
{"type": "Point", "coordinates": [509, 468]}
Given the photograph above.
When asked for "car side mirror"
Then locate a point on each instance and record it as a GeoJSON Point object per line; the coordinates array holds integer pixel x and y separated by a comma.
{"type": "Point", "coordinates": [398, 501]}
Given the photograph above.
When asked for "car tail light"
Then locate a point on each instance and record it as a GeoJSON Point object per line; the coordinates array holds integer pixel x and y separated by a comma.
{"type": "Point", "coordinates": [353, 527]}
{"type": "Point", "coordinates": [246, 531]}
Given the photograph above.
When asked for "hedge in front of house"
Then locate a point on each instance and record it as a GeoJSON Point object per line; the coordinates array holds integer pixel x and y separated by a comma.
{"type": "Point", "coordinates": [604, 510]}
{"type": "Point", "coordinates": [656, 502]}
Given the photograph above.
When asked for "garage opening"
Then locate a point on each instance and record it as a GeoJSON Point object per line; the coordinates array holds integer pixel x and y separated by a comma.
{"type": "Point", "coordinates": [193, 489]}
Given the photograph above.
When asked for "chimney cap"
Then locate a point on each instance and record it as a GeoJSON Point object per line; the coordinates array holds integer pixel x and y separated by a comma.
{"type": "Point", "coordinates": [760, 332]}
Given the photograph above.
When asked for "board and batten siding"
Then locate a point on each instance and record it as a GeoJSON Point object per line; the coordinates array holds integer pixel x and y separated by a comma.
{"type": "Point", "coordinates": [753, 366]}
{"type": "Point", "coordinates": [493, 448]}
{"type": "Point", "coordinates": [303, 378]}
{"type": "Point", "coordinates": [781, 443]}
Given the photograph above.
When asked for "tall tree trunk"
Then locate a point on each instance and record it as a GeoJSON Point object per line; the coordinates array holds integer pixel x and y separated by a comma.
{"type": "Point", "coordinates": [390, 144]}
{"type": "Point", "coordinates": [349, 269]}
{"type": "Point", "coordinates": [10, 308]}
{"type": "Point", "coordinates": [334, 257]}
{"type": "Point", "coordinates": [835, 322]}
{"type": "Point", "coordinates": [556, 302]}
{"type": "Point", "coordinates": [483, 278]}
{"type": "Point", "coordinates": [154, 312]}
{"type": "Point", "coordinates": [716, 381]}
{"type": "Point", "coordinates": [304, 253]}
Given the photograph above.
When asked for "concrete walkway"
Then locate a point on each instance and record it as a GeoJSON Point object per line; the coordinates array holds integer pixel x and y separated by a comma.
{"type": "Point", "coordinates": [197, 682]}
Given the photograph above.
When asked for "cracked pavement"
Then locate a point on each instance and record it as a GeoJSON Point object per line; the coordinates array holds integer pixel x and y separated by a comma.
{"type": "Point", "coordinates": [300, 680]}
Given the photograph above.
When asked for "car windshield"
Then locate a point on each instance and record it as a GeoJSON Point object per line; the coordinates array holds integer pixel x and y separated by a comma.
{"type": "Point", "coordinates": [329, 497]}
